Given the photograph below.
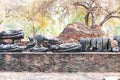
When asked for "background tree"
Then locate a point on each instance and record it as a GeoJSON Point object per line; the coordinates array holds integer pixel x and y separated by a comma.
{"type": "Point", "coordinates": [34, 12]}
{"type": "Point", "coordinates": [95, 8]}
{"type": "Point", "coordinates": [51, 16]}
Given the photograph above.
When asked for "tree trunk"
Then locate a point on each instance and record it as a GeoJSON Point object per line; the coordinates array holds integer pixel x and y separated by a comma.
{"type": "Point", "coordinates": [93, 19]}
{"type": "Point", "coordinates": [33, 28]}
{"type": "Point", "coordinates": [87, 18]}
{"type": "Point", "coordinates": [34, 31]}
{"type": "Point", "coordinates": [101, 24]}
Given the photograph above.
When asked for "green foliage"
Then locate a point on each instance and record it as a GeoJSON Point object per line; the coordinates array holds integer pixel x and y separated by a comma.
{"type": "Point", "coordinates": [78, 18]}
{"type": "Point", "coordinates": [116, 30]}
{"type": "Point", "coordinates": [27, 30]}
{"type": "Point", "coordinates": [78, 15]}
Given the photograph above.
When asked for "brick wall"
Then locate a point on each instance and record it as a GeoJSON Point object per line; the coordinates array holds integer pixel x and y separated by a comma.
{"type": "Point", "coordinates": [60, 62]}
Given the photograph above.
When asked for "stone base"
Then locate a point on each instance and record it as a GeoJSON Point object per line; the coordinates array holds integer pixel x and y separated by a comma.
{"type": "Point", "coordinates": [60, 62]}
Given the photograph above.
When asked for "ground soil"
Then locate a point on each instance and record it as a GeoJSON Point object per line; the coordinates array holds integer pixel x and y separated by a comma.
{"type": "Point", "coordinates": [57, 76]}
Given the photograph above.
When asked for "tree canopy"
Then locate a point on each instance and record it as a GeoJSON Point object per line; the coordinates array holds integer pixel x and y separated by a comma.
{"type": "Point", "coordinates": [50, 17]}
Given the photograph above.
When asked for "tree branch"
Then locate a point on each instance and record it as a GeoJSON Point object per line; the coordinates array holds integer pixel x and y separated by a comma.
{"type": "Point", "coordinates": [115, 16]}
{"type": "Point", "coordinates": [81, 4]}
{"type": "Point", "coordinates": [106, 19]}
{"type": "Point", "coordinates": [109, 16]}
{"type": "Point", "coordinates": [1, 21]}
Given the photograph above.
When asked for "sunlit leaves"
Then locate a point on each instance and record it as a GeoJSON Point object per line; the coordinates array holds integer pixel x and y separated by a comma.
{"type": "Point", "coordinates": [42, 20]}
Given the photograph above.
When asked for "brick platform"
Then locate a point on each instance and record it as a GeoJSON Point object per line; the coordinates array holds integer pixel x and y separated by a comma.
{"type": "Point", "coordinates": [60, 62]}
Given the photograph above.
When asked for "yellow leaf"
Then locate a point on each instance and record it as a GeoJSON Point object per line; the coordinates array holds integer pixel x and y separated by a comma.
{"type": "Point", "coordinates": [43, 24]}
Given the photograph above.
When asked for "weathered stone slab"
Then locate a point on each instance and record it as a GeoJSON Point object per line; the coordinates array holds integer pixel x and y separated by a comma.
{"type": "Point", "coordinates": [12, 34]}
{"type": "Point", "coordinates": [60, 62]}
{"type": "Point", "coordinates": [99, 44]}
{"type": "Point", "coordinates": [86, 44]}
{"type": "Point", "coordinates": [106, 45]}
{"type": "Point", "coordinates": [117, 37]}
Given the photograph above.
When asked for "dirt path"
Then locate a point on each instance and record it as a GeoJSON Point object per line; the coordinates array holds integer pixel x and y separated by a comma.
{"type": "Point", "coordinates": [56, 76]}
